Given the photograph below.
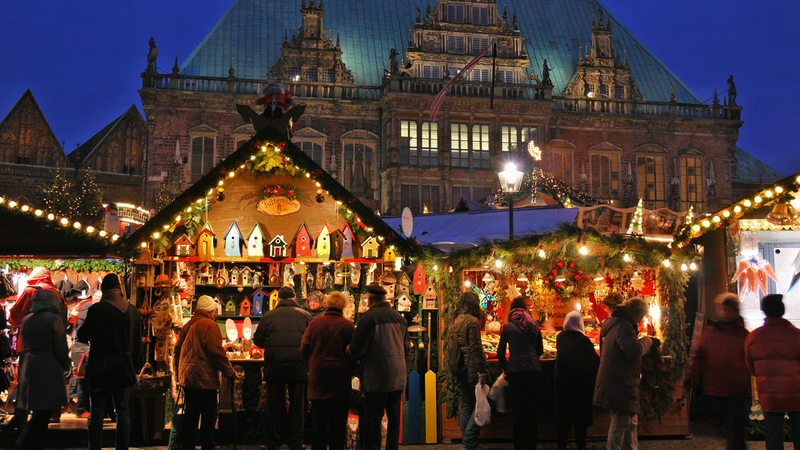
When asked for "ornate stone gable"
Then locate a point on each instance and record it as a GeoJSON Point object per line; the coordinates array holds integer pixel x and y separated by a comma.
{"type": "Point", "coordinates": [311, 56]}
{"type": "Point", "coordinates": [599, 73]}
{"type": "Point", "coordinates": [453, 32]}
{"type": "Point", "coordinates": [26, 137]}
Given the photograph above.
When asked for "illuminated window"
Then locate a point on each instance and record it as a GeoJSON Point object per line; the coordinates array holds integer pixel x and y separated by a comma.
{"type": "Point", "coordinates": [480, 146]}
{"type": "Point", "coordinates": [650, 180]}
{"type": "Point", "coordinates": [508, 139]}
{"type": "Point", "coordinates": [408, 142]}
{"type": "Point", "coordinates": [691, 180]}
{"type": "Point", "coordinates": [459, 145]}
{"type": "Point", "coordinates": [429, 140]}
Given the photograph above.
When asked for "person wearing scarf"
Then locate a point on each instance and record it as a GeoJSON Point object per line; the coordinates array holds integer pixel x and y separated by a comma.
{"type": "Point", "coordinates": [522, 337]}
{"type": "Point", "coordinates": [576, 369]}
{"type": "Point", "coordinates": [44, 358]}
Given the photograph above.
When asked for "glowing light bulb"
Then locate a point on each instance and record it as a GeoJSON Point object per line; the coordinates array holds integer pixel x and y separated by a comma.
{"type": "Point", "coordinates": [666, 263]}
{"type": "Point", "coordinates": [583, 250]}
{"type": "Point", "coordinates": [626, 257]}
{"type": "Point", "coordinates": [498, 263]}
{"type": "Point", "coordinates": [467, 284]}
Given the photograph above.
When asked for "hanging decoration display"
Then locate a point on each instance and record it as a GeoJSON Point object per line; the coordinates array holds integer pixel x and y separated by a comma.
{"type": "Point", "coordinates": [752, 275]}
{"type": "Point", "coordinates": [636, 221]}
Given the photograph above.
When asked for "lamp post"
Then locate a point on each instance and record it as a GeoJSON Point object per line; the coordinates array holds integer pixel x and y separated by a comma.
{"type": "Point", "coordinates": [510, 181]}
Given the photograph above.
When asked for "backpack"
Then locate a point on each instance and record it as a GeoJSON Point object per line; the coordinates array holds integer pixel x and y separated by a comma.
{"type": "Point", "coordinates": [455, 358]}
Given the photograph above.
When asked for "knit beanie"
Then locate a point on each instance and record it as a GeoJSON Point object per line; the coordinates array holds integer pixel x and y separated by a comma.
{"type": "Point", "coordinates": [110, 281]}
{"type": "Point", "coordinates": [286, 292]}
{"type": "Point", "coordinates": [206, 303]}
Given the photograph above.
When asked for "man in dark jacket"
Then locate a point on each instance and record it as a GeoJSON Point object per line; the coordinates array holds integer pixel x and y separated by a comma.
{"type": "Point", "coordinates": [617, 386]}
{"type": "Point", "coordinates": [381, 344]}
{"type": "Point", "coordinates": [720, 360]}
{"type": "Point", "coordinates": [279, 333]}
{"type": "Point", "coordinates": [772, 353]}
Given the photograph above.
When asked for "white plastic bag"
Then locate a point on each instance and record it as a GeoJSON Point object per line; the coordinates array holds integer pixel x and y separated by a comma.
{"type": "Point", "coordinates": [483, 412]}
{"type": "Point", "coordinates": [499, 393]}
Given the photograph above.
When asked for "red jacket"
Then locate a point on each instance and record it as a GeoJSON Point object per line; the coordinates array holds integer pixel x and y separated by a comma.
{"type": "Point", "coordinates": [720, 360]}
{"type": "Point", "coordinates": [324, 346]}
{"type": "Point", "coordinates": [772, 352]}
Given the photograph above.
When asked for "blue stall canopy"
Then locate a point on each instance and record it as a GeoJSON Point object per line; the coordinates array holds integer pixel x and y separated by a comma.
{"type": "Point", "coordinates": [460, 230]}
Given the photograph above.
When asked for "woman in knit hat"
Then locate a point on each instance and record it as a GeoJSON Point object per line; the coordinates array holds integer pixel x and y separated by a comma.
{"type": "Point", "coordinates": [576, 368]}
{"type": "Point", "coordinates": [200, 358]}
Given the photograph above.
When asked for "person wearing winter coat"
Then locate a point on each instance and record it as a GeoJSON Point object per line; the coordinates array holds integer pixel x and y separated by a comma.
{"type": "Point", "coordinates": [39, 281]}
{"type": "Point", "coordinates": [279, 333]}
{"type": "Point", "coordinates": [772, 353]}
{"type": "Point", "coordinates": [44, 358]}
{"type": "Point", "coordinates": [381, 344]}
{"type": "Point", "coordinates": [617, 385]}
{"type": "Point", "coordinates": [199, 363]}
{"type": "Point", "coordinates": [81, 385]}
{"type": "Point", "coordinates": [324, 347]}
{"type": "Point", "coordinates": [719, 358]}
{"type": "Point", "coordinates": [113, 330]}
{"type": "Point", "coordinates": [576, 369]}
{"type": "Point", "coordinates": [521, 335]}
{"type": "Point", "coordinates": [465, 331]}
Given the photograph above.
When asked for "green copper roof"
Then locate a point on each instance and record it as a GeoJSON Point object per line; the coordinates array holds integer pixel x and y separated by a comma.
{"type": "Point", "coordinates": [252, 32]}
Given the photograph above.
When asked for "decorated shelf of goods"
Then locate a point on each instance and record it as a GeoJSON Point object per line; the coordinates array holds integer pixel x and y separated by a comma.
{"type": "Point", "coordinates": [490, 342]}
{"type": "Point", "coordinates": [549, 344]}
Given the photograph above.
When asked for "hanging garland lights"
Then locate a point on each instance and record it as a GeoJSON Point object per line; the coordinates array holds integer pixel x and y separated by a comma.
{"type": "Point", "coordinates": [102, 236]}
{"type": "Point", "coordinates": [778, 193]}
{"type": "Point", "coordinates": [537, 178]}
{"type": "Point", "coordinates": [263, 153]}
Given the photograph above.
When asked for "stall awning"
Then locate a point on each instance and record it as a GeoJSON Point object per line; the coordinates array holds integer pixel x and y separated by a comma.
{"type": "Point", "coordinates": [459, 230]}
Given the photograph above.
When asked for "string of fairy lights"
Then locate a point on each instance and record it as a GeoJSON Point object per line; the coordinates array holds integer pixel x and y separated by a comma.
{"type": "Point", "coordinates": [65, 222]}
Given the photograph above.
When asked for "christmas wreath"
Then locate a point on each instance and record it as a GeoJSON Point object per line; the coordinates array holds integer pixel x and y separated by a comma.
{"type": "Point", "coordinates": [276, 190]}
{"type": "Point", "coordinates": [566, 280]}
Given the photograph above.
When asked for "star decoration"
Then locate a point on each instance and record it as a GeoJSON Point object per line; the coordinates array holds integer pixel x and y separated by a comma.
{"type": "Point", "coordinates": [512, 292]}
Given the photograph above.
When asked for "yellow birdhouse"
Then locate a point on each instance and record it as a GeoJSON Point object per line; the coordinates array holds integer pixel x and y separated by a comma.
{"type": "Point", "coordinates": [389, 255]}
{"type": "Point", "coordinates": [205, 242]}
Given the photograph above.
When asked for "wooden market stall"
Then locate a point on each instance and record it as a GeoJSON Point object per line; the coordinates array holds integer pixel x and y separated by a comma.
{"type": "Point", "coordinates": [265, 217]}
{"type": "Point", "coordinates": [571, 265]}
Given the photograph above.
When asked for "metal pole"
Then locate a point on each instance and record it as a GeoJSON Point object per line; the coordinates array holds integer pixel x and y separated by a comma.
{"type": "Point", "coordinates": [510, 218]}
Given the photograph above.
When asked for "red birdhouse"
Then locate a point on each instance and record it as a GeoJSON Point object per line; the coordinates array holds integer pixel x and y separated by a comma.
{"type": "Point", "coordinates": [419, 284]}
{"type": "Point", "coordinates": [302, 242]}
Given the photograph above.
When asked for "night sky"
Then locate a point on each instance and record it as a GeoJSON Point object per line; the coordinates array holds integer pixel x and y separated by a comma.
{"type": "Point", "coordinates": [82, 59]}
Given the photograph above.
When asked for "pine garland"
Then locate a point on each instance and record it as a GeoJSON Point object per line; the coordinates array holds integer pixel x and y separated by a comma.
{"type": "Point", "coordinates": [78, 265]}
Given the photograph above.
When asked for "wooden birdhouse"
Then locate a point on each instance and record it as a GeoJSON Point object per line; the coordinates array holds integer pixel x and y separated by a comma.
{"type": "Point", "coordinates": [337, 243]}
{"type": "Point", "coordinates": [419, 283]}
{"type": "Point", "coordinates": [369, 248]}
{"type": "Point", "coordinates": [230, 308]}
{"type": "Point", "coordinates": [204, 244]}
{"type": "Point", "coordinates": [233, 275]}
{"type": "Point", "coordinates": [233, 240]}
{"type": "Point", "coordinates": [429, 297]}
{"type": "Point", "coordinates": [389, 255]}
{"type": "Point", "coordinates": [403, 302]}
{"type": "Point", "coordinates": [302, 242]}
{"type": "Point", "coordinates": [277, 247]}
{"type": "Point", "coordinates": [244, 307]}
{"type": "Point", "coordinates": [273, 299]}
{"type": "Point", "coordinates": [388, 281]}
{"type": "Point", "coordinates": [255, 242]}
{"type": "Point", "coordinates": [323, 243]}
{"type": "Point", "coordinates": [246, 276]}
{"type": "Point", "coordinates": [403, 285]}
{"type": "Point", "coordinates": [349, 242]}
{"type": "Point", "coordinates": [258, 277]}
{"type": "Point", "coordinates": [260, 298]}
{"type": "Point", "coordinates": [183, 246]}
{"type": "Point", "coordinates": [205, 274]}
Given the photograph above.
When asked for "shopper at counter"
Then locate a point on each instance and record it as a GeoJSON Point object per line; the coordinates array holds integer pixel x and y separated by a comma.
{"type": "Point", "coordinates": [199, 362]}
{"type": "Point", "coordinates": [324, 346]}
{"type": "Point", "coordinates": [576, 369]}
{"type": "Point", "coordinates": [280, 333]}
{"type": "Point", "coordinates": [523, 371]}
{"type": "Point", "coordinates": [381, 344]}
{"type": "Point", "coordinates": [617, 386]}
{"type": "Point", "coordinates": [465, 331]}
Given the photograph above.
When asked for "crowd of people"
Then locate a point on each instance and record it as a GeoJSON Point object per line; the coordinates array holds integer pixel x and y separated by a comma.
{"type": "Point", "coordinates": [313, 358]}
{"type": "Point", "coordinates": [726, 358]}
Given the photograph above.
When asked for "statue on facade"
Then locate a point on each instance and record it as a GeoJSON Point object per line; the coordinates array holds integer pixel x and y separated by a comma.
{"type": "Point", "coordinates": [394, 67]}
{"type": "Point", "coordinates": [546, 81]}
{"type": "Point", "coordinates": [731, 90]}
{"type": "Point", "coordinates": [152, 55]}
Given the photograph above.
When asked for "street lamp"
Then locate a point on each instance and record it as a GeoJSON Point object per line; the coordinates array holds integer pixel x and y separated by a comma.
{"type": "Point", "coordinates": [510, 181]}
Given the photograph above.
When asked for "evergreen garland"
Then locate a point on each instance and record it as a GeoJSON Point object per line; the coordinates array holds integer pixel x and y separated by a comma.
{"type": "Point", "coordinates": [78, 265]}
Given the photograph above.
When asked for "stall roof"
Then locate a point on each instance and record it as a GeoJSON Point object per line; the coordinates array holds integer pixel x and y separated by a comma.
{"type": "Point", "coordinates": [459, 230]}
{"type": "Point", "coordinates": [26, 232]}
